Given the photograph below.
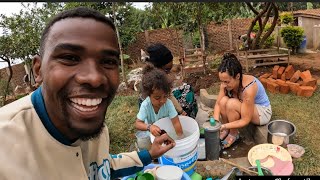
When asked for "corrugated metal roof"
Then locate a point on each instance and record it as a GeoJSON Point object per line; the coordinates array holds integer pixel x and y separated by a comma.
{"type": "Point", "coordinates": [307, 12]}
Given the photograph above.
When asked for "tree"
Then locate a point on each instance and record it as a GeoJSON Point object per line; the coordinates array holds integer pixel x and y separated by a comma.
{"type": "Point", "coordinates": [262, 18]}
{"type": "Point", "coordinates": [22, 33]}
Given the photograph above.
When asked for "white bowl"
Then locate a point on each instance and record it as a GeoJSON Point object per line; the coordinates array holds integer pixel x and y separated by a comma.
{"type": "Point", "coordinates": [169, 172]}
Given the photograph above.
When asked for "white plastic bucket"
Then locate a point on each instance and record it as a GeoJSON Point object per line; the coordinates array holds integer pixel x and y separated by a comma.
{"type": "Point", "coordinates": [185, 153]}
{"type": "Point", "coordinates": [143, 140]}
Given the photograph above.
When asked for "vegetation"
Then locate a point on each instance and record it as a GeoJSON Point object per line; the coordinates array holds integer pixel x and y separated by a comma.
{"type": "Point", "coordinates": [292, 36]}
{"type": "Point", "coordinates": [269, 41]}
{"type": "Point", "coordinates": [262, 16]}
{"type": "Point", "coordinates": [286, 18]}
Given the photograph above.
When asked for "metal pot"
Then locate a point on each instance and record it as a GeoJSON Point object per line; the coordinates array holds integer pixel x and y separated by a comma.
{"type": "Point", "coordinates": [281, 132]}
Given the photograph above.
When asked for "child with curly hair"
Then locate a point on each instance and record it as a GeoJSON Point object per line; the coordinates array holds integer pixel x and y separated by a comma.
{"type": "Point", "coordinates": [155, 87]}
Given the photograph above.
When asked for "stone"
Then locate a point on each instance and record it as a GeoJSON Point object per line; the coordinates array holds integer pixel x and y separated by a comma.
{"type": "Point", "coordinates": [206, 99]}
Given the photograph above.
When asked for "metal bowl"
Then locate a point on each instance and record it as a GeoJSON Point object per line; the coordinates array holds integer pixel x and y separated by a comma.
{"type": "Point", "coordinates": [281, 132]}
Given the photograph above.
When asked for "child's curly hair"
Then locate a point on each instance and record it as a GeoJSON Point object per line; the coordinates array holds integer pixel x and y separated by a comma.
{"type": "Point", "coordinates": [154, 78]}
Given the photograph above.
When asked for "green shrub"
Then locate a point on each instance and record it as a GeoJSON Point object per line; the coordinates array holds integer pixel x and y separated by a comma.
{"type": "Point", "coordinates": [286, 18]}
{"type": "Point", "coordinates": [215, 63]}
{"type": "Point", "coordinates": [292, 36]}
{"type": "Point", "coordinates": [256, 27]}
{"type": "Point", "coordinates": [269, 41]}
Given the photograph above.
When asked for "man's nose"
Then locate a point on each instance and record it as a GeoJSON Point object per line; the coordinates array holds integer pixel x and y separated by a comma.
{"type": "Point", "coordinates": [90, 73]}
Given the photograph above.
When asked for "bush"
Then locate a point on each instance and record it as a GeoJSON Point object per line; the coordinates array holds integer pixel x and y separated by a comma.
{"type": "Point", "coordinates": [292, 36]}
{"type": "Point", "coordinates": [286, 18]}
{"type": "Point", "coordinates": [269, 41]}
{"type": "Point", "coordinates": [256, 27]}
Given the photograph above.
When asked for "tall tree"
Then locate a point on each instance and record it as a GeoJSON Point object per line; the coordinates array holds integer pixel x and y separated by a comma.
{"type": "Point", "coordinates": [22, 33]}
{"type": "Point", "coordinates": [262, 18]}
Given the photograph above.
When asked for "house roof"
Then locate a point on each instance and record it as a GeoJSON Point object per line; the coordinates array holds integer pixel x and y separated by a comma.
{"type": "Point", "coordinates": [312, 13]}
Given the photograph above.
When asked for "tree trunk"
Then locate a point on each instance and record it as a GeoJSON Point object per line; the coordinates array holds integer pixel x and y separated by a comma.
{"type": "Point", "coordinates": [8, 83]}
{"type": "Point", "coordinates": [274, 23]}
{"type": "Point", "coordinates": [119, 42]}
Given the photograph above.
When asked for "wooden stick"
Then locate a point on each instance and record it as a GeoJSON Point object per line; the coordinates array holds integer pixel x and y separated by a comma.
{"type": "Point", "coordinates": [248, 171]}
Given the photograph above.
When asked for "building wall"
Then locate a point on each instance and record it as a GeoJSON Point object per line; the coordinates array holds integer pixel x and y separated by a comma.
{"type": "Point", "coordinates": [307, 24]}
{"type": "Point", "coordinates": [169, 37]}
{"type": "Point", "coordinates": [18, 73]}
{"type": "Point", "coordinates": [218, 35]}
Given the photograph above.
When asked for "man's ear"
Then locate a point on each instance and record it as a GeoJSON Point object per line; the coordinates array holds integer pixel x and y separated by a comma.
{"type": "Point", "coordinates": [36, 67]}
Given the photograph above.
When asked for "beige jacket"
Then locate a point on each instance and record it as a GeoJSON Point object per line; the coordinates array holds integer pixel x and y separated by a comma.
{"type": "Point", "coordinates": [29, 152]}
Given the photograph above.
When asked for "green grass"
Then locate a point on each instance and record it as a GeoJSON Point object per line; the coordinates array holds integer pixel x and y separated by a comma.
{"type": "Point", "coordinates": [303, 112]}
{"type": "Point", "coordinates": [120, 119]}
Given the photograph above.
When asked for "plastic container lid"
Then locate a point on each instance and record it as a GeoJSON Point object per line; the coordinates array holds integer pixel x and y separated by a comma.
{"type": "Point", "coordinates": [169, 172]}
{"type": "Point", "coordinates": [207, 127]}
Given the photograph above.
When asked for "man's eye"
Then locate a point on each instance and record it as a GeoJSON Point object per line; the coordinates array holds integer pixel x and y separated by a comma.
{"type": "Point", "coordinates": [71, 58]}
{"type": "Point", "coordinates": [110, 62]}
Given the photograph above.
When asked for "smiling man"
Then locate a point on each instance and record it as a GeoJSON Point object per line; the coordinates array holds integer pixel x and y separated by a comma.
{"type": "Point", "coordinates": [58, 131]}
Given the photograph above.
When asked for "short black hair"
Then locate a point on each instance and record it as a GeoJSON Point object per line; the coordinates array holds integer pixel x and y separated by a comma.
{"type": "Point", "coordinates": [154, 78]}
{"type": "Point", "coordinates": [159, 55]}
{"type": "Point", "coordinates": [78, 12]}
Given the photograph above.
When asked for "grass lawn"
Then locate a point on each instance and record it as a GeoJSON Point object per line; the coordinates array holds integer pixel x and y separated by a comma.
{"type": "Point", "coordinates": [303, 112]}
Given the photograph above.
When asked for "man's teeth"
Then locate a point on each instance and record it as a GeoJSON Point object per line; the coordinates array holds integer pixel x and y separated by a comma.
{"type": "Point", "coordinates": [86, 101]}
{"type": "Point", "coordinates": [84, 109]}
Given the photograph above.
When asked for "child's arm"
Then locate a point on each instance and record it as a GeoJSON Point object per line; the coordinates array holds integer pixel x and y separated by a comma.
{"type": "Point", "coordinates": [177, 126]}
{"type": "Point", "coordinates": [154, 130]}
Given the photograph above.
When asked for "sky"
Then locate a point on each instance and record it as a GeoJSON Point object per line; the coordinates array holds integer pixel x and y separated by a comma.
{"type": "Point", "coordinates": [9, 8]}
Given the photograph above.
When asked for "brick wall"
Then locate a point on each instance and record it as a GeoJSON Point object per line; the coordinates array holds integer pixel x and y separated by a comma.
{"type": "Point", "coordinates": [168, 37]}
{"type": "Point", "coordinates": [17, 75]}
{"type": "Point", "coordinates": [218, 35]}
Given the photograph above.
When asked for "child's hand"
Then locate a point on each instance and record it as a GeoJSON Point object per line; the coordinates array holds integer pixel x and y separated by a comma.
{"type": "Point", "coordinates": [155, 130]}
{"type": "Point", "coordinates": [183, 113]}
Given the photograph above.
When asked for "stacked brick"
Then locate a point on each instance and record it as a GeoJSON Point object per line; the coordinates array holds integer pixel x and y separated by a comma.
{"type": "Point", "coordinates": [285, 79]}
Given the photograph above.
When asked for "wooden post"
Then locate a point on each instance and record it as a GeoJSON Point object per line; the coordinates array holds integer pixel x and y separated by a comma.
{"type": "Point", "coordinates": [278, 38]}
{"type": "Point", "coordinates": [230, 35]}
{"type": "Point", "coordinates": [247, 63]}
{"type": "Point", "coordinates": [146, 35]}
{"type": "Point", "coordinates": [315, 37]}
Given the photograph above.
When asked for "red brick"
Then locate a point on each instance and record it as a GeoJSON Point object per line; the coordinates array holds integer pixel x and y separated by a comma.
{"type": "Point", "coordinates": [265, 75]}
{"type": "Point", "coordinates": [300, 82]}
{"type": "Point", "coordinates": [271, 79]}
{"type": "Point", "coordinates": [289, 72]}
{"type": "Point", "coordinates": [275, 71]}
{"type": "Point", "coordinates": [293, 87]}
{"type": "Point", "coordinates": [284, 87]}
{"type": "Point", "coordinates": [280, 81]}
{"type": "Point", "coordinates": [295, 76]}
{"type": "Point", "coordinates": [309, 82]}
{"type": "Point", "coordinates": [273, 87]}
{"type": "Point", "coordinates": [264, 82]}
{"type": "Point", "coordinates": [283, 77]}
{"type": "Point", "coordinates": [305, 75]}
{"type": "Point", "coordinates": [305, 91]}
{"type": "Point", "coordinates": [280, 72]}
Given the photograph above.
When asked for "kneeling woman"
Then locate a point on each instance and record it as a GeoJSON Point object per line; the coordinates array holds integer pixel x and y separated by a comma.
{"type": "Point", "coordinates": [242, 99]}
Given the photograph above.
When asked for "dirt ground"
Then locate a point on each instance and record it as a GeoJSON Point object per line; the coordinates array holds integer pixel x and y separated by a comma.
{"type": "Point", "coordinates": [300, 62]}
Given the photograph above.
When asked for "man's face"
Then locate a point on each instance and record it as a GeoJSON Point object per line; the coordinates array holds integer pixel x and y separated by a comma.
{"type": "Point", "coordinates": [79, 74]}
